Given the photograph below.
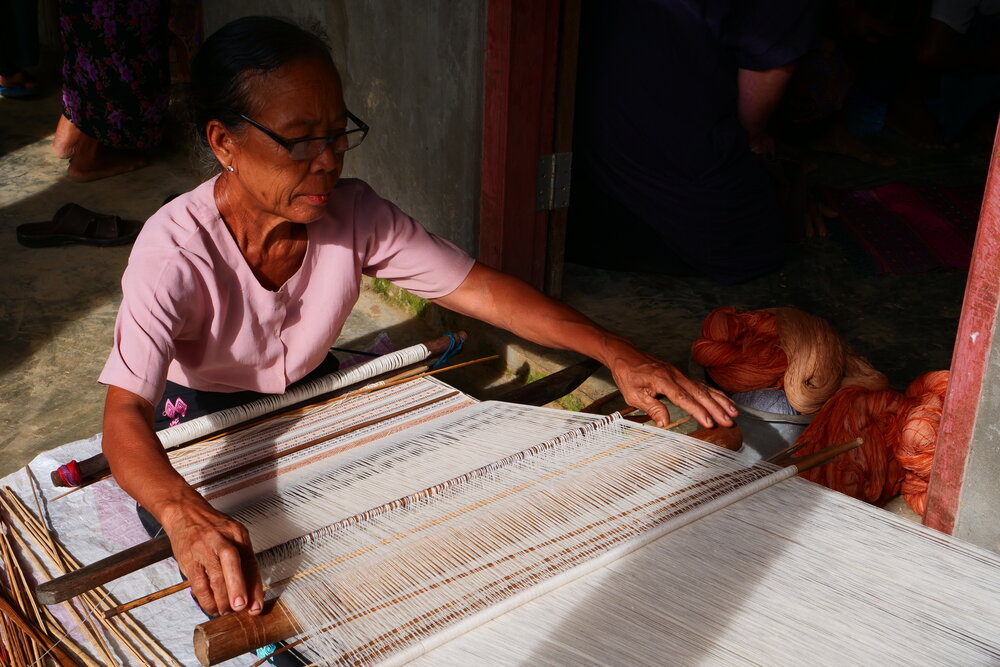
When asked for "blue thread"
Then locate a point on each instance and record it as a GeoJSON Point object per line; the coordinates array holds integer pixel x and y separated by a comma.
{"type": "Point", "coordinates": [265, 651]}
{"type": "Point", "coordinates": [454, 347]}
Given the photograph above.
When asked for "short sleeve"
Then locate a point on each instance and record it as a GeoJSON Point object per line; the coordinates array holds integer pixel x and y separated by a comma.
{"type": "Point", "coordinates": [771, 33]}
{"type": "Point", "coordinates": [157, 293]}
{"type": "Point", "coordinates": [401, 250]}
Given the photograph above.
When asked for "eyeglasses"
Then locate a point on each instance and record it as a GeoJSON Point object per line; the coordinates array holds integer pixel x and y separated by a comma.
{"type": "Point", "coordinates": [308, 148]}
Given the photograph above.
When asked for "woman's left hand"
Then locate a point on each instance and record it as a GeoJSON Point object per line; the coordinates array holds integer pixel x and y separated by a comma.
{"type": "Point", "coordinates": [642, 377]}
{"type": "Point", "coordinates": [512, 304]}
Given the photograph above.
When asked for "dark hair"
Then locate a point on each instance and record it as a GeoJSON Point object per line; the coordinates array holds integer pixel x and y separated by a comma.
{"type": "Point", "coordinates": [236, 52]}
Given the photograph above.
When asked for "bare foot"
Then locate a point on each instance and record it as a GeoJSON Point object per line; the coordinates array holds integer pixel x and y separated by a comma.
{"type": "Point", "coordinates": [91, 161]}
{"type": "Point", "coordinates": [67, 137]}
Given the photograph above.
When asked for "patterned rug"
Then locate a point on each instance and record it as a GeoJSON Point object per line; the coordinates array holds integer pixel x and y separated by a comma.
{"type": "Point", "coordinates": [907, 229]}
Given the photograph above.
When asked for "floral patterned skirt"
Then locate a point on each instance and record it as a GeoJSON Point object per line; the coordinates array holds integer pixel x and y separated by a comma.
{"type": "Point", "coordinates": [116, 69]}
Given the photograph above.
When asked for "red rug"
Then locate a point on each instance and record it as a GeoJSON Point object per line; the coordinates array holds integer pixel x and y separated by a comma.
{"type": "Point", "coordinates": [908, 229]}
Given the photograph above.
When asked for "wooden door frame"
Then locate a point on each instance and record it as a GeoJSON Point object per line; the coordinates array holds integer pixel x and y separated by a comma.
{"type": "Point", "coordinates": [520, 82]}
{"type": "Point", "coordinates": [974, 342]}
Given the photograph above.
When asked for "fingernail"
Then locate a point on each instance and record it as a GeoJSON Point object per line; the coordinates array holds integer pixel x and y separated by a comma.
{"type": "Point", "coordinates": [239, 603]}
{"type": "Point", "coordinates": [255, 608]}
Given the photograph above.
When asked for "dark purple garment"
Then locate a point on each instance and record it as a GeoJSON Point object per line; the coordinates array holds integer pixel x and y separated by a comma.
{"type": "Point", "coordinates": [116, 69]}
{"type": "Point", "coordinates": [657, 126]}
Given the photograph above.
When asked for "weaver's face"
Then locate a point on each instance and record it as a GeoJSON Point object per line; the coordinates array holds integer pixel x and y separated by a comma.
{"type": "Point", "coordinates": [301, 99]}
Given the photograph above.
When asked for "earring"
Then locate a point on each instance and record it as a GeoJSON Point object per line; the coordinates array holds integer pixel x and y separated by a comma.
{"type": "Point", "coordinates": [230, 168]}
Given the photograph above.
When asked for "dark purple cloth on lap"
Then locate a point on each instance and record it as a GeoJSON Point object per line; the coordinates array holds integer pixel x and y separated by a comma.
{"type": "Point", "coordinates": [181, 404]}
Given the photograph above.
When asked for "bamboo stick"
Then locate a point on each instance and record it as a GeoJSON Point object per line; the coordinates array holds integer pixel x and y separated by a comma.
{"type": "Point", "coordinates": [146, 599]}
{"type": "Point", "coordinates": [402, 378]}
{"type": "Point", "coordinates": [80, 654]}
{"type": "Point", "coordinates": [20, 592]}
{"type": "Point", "coordinates": [98, 596]}
{"type": "Point", "coordinates": [129, 634]}
{"type": "Point", "coordinates": [320, 440]}
{"type": "Point", "coordinates": [25, 625]}
{"type": "Point", "coordinates": [825, 455]}
{"type": "Point", "coordinates": [98, 642]}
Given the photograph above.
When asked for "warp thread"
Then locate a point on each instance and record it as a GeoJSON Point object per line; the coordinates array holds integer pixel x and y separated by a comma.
{"type": "Point", "coordinates": [780, 347]}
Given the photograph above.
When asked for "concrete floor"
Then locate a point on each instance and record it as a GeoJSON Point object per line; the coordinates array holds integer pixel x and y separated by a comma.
{"type": "Point", "coordinates": [57, 306]}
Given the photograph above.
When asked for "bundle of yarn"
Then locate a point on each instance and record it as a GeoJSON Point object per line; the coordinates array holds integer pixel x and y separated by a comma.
{"type": "Point", "coordinates": [780, 348]}
{"type": "Point", "coordinates": [870, 472]}
{"type": "Point", "coordinates": [915, 431]}
{"type": "Point", "coordinates": [785, 348]}
{"type": "Point", "coordinates": [741, 350]}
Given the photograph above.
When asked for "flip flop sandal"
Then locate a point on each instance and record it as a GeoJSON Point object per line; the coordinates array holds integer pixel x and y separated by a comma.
{"type": "Point", "coordinates": [74, 224]}
{"type": "Point", "coordinates": [18, 91]}
{"type": "Point", "coordinates": [21, 89]}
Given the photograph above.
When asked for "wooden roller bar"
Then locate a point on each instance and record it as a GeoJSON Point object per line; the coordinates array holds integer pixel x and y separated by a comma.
{"type": "Point", "coordinates": [239, 633]}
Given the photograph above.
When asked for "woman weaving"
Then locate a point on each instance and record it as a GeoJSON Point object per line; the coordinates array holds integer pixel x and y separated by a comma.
{"type": "Point", "coordinates": [243, 284]}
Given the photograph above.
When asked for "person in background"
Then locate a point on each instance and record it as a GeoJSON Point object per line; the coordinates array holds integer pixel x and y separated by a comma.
{"type": "Point", "coordinates": [959, 82]}
{"type": "Point", "coordinates": [116, 85]}
{"type": "Point", "coordinates": [673, 108]}
{"type": "Point", "coordinates": [18, 47]}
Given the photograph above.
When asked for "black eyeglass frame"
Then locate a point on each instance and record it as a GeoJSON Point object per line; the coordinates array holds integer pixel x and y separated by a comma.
{"type": "Point", "coordinates": [290, 144]}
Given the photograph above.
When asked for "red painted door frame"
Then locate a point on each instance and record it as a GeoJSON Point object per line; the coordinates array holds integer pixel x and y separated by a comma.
{"type": "Point", "coordinates": [969, 362]}
{"type": "Point", "coordinates": [522, 38]}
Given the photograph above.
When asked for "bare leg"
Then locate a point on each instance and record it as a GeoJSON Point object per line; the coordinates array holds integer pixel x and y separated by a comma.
{"type": "Point", "coordinates": [66, 139]}
{"type": "Point", "coordinates": [92, 161]}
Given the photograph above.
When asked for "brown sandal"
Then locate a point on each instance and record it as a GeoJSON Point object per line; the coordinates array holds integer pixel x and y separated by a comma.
{"type": "Point", "coordinates": [75, 224]}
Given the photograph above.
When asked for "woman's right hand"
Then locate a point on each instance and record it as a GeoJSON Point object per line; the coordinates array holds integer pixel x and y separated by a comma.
{"type": "Point", "coordinates": [212, 550]}
{"type": "Point", "coordinates": [215, 554]}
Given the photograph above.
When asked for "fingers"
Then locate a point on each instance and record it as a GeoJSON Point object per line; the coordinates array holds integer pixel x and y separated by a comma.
{"type": "Point", "coordinates": [234, 588]}
{"type": "Point", "coordinates": [256, 600]}
{"type": "Point", "coordinates": [217, 580]}
{"type": "Point", "coordinates": [201, 589]}
{"type": "Point", "coordinates": [251, 578]}
{"type": "Point", "coordinates": [706, 405]}
{"type": "Point", "coordinates": [816, 216]}
{"type": "Point", "coordinates": [219, 563]}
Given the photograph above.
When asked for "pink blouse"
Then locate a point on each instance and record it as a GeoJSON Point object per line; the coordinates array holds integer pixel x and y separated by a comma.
{"type": "Point", "coordinates": [193, 312]}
